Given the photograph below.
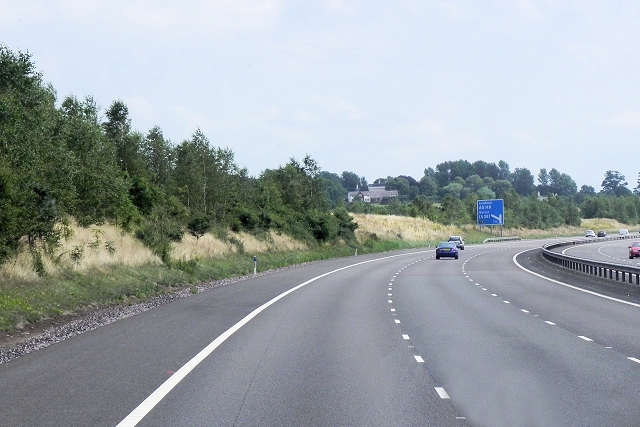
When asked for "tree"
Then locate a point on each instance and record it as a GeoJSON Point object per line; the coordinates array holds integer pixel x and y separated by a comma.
{"type": "Point", "coordinates": [128, 144]}
{"type": "Point", "coordinates": [101, 189]}
{"type": "Point", "coordinates": [39, 168]}
{"type": "Point", "coordinates": [504, 170]}
{"type": "Point", "coordinates": [612, 181]}
{"type": "Point", "coordinates": [160, 158]}
{"type": "Point", "coordinates": [350, 181]}
{"type": "Point", "coordinates": [544, 180]}
{"type": "Point", "coordinates": [198, 226]}
{"type": "Point", "coordinates": [332, 187]}
{"type": "Point", "coordinates": [522, 181]}
{"type": "Point", "coordinates": [561, 184]}
{"type": "Point", "coordinates": [474, 183]}
{"type": "Point", "coordinates": [428, 186]}
{"type": "Point", "coordinates": [446, 172]}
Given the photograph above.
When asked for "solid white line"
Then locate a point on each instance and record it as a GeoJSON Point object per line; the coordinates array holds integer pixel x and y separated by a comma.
{"type": "Point", "coordinates": [154, 398]}
{"type": "Point", "coordinates": [442, 393]}
{"type": "Point", "coordinates": [633, 359]}
{"type": "Point", "coordinates": [570, 286]}
{"type": "Point", "coordinates": [419, 359]}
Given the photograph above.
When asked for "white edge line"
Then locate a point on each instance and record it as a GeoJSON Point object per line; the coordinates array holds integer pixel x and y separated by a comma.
{"type": "Point", "coordinates": [570, 286]}
{"type": "Point", "coordinates": [154, 398]}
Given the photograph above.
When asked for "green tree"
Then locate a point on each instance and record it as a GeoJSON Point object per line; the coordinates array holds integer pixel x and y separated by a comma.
{"type": "Point", "coordinates": [159, 157]}
{"type": "Point", "coordinates": [522, 181]}
{"type": "Point", "coordinates": [561, 184]}
{"type": "Point", "coordinates": [613, 180]}
{"type": "Point", "coordinates": [101, 190]}
{"type": "Point", "coordinates": [128, 144]}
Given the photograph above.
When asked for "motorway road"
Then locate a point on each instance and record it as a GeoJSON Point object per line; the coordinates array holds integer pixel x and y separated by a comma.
{"type": "Point", "coordinates": [395, 339]}
{"type": "Point", "coordinates": [616, 251]}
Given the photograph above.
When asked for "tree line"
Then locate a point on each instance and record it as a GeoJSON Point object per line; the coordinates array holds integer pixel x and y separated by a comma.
{"type": "Point", "coordinates": [68, 159]}
{"type": "Point", "coordinates": [448, 194]}
{"type": "Point", "coordinates": [65, 161]}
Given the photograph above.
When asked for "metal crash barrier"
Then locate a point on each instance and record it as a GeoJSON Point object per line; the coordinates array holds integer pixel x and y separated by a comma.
{"type": "Point", "coordinates": [606, 270]}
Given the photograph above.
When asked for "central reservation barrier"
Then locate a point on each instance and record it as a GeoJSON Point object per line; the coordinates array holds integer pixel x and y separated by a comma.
{"type": "Point", "coordinates": [606, 270]}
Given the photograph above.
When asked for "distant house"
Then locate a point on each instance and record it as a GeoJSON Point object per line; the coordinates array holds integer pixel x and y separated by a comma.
{"type": "Point", "coordinates": [375, 194]}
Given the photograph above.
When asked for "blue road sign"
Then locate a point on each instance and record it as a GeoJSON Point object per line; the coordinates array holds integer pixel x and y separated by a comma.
{"type": "Point", "coordinates": [491, 212]}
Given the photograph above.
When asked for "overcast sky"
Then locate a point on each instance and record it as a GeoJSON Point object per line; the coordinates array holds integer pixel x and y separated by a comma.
{"type": "Point", "coordinates": [377, 88]}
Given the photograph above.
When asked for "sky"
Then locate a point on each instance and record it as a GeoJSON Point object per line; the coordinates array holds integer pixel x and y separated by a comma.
{"type": "Point", "coordinates": [371, 87]}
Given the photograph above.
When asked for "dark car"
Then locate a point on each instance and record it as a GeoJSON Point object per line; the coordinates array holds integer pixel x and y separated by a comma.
{"type": "Point", "coordinates": [634, 250]}
{"type": "Point", "coordinates": [446, 249]}
{"type": "Point", "coordinates": [602, 233]}
{"type": "Point", "coordinates": [458, 241]}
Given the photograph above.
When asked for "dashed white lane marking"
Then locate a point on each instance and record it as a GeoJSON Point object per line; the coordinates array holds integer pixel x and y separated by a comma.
{"type": "Point", "coordinates": [419, 359]}
{"type": "Point", "coordinates": [506, 302]}
{"type": "Point", "coordinates": [390, 301]}
{"type": "Point", "coordinates": [442, 393]}
{"type": "Point", "coordinates": [393, 309]}
{"type": "Point", "coordinates": [550, 323]}
{"type": "Point", "coordinates": [633, 359]}
{"type": "Point", "coordinates": [524, 311]}
{"type": "Point", "coordinates": [584, 338]}
{"type": "Point", "coordinates": [389, 295]}
{"type": "Point", "coordinates": [494, 295]}
{"type": "Point", "coordinates": [405, 336]}
{"type": "Point", "coordinates": [397, 320]}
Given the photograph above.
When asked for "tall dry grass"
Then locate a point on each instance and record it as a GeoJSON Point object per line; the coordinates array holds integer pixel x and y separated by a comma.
{"type": "Point", "coordinates": [91, 248]}
{"type": "Point", "coordinates": [393, 227]}
{"type": "Point", "coordinates": [94, 243]}
{"type": "Point", "coordinates": [209, 246]}
{"type": "Point", "coordinates": [131, 252]}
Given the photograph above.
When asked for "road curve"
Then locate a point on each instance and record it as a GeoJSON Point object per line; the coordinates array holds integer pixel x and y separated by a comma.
{"type": "Point", "coordinates": [379, 340]}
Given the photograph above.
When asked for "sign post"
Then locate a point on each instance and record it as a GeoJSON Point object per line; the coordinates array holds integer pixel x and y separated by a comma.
{"type": "Point", "coordinates": [490, 212]}
{"type": "Point", "coordinates": [255, 265]}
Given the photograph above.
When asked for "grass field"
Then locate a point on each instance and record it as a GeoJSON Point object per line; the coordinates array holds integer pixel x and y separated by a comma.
{"type": "Point", "coordinates": [102, 266]}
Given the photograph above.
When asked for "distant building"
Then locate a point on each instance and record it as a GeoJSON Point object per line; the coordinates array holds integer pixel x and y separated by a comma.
{"type": "Point", "coordinates": [375, 194]}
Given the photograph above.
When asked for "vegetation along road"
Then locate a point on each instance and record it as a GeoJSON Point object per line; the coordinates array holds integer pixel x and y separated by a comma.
{"type": "Point", "coordinates": [387, 339]}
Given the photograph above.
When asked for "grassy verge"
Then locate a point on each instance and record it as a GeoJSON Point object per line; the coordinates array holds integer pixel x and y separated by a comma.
{"type": "Point", "coordinates": [132, 274]}
{"type": "Point", "coordinates": [69, 291]}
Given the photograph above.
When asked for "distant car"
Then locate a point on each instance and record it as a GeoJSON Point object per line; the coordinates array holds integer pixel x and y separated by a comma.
{"type": "Point", "coordinates": [458, 240]}
{"type": "Point", "coordinates": [602, 233]}
{"type": "Point", "coordinates": [623, 232]}
{"type": "Point", "coordinates": [634, 250]}
{"type": "Point", "coordinates": [446, 249]}
{"type": "Point", "coordinates": [590, 233]}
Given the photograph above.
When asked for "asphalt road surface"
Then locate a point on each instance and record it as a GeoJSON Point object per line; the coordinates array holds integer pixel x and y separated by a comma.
{"type": "Point", "coordinates": [397, 339]}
